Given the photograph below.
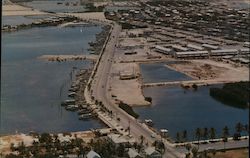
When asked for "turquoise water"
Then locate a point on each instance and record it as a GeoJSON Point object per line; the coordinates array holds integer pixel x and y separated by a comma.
{"type": "Point", "coordinates": [30, 87]}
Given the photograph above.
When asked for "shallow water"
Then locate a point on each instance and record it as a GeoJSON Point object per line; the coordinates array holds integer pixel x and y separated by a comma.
{"type": "Point", "coordinates": [176, 109]}
{"type": "Point", "coordinates": [16, 20]}
{"type": "Point", "coordinates": [52, 6]}
{"type": "Point", "coordinates": [158, 72]}
{"type": "Point", "coordinates": [30, 88]}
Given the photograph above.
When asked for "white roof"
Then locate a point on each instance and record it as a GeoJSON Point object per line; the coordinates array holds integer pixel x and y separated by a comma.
{"type": "Point", "coordinates": [150, 151]}
{"type": "Point", "coordinates": [224, 50]}
{"type": "Point", "coordinates": [191, 52]}
{"type": "Point", "coordinates": [132, 153]}
{"type": "Point", "coordinates": [179, 47]}
{"type": "Point", "coordinates": [244, 60]}
{"type": "Point", "coordinates": [93, 154]}
{"type": "Point", "coordinates": [163, 48]}
{"type": "Point", "coordinates": [105, 130]}
{"type": "Point", "coordinates": [194, 46]}
{"type": "Point", "coordinates": [210, 46]}
{"type": "Point", "coordinates": [117, 138]}
{"type": "Point", "coordinates": [245, 49]}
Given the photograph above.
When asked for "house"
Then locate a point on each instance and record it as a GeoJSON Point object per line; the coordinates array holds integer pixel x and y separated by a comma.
{"type": "Point", "coordinates": [118, 139]}
{"type": "Point", "coordinates": [152, 153]}
{"type": "Point", "coordinates": [92, 154]}
{"type": "Point", "coordinates": [132, 153]}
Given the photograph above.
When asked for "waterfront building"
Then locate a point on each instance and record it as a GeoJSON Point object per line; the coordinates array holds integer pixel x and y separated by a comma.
{"type": "Point", "coordinates": [152, 153]}
{"type": "Point", "coordinates": [92, 154]}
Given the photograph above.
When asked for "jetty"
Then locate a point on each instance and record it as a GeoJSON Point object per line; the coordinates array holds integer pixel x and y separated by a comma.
{"type": "Point", "coordinates": [60, 58]}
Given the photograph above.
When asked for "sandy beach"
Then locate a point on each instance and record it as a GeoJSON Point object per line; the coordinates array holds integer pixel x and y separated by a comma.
{"type": "Point", "coordinates": [14, 9]}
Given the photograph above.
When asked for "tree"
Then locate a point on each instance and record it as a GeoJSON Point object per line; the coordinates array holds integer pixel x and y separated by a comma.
{"type": "Point", "coordinates": [212, 134]}
{"type": "Point", "coordinates": [178, 137]}
{"type": "Point", "coordinates": [239, 127]}
{"type": "Point", "coordinates": [225, 135]}
{"type": "Point", "coordinates": [120, 150]}
{"type": "Point", "coordinates": [142, 139]}
{"type": "Point", "coordinates": [194, 152]}
{"type": "Point", "coordinates": [198, 135]}
{"type": "Point", "coordinates": [205, 133]}
{"type": "Point", "coordinates": [184, 135]}
{"type": "Point", "coordinates": [246, 127]}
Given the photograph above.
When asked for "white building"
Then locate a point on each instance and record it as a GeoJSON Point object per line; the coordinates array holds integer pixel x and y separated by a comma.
{"type": "Point", "coordinates": [209, 46]}
{"type": "Point", "coordinates": [92, 154]}
{"type": "Point", "coordinates": [222, 52]}
{"type": "Point", "coordinates": [195, 47]}
{"type": "Point", "coordinates": [133, 154]}
{"type": "Point", "coordinates": [192, 54]}
{"type": "Point", "coordinates": [152, 153]}
{"type": "Point", "coordinates": [163, 50]}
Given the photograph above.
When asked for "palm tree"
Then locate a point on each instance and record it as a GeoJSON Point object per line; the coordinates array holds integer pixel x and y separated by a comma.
{"type": "Point", "coordinates": [194, 152]}
{"type": "Point", "coordinates": [142, 139]}
{"type": "Point", "coordinates": [205, 133]}
{"type": "Point", "coordinates": [225, 135]}
{"type": "Point", "coordinates": [246, 127]}
{"type": "Point", "coordinates": [184, 135]}
{"type": "Point", "coordinates": [239, 128]}
{"type": "Point", "coordinates": [198, 135]}
{"type": "Point", "coordinates": [178, 137]}
{"type": "Point", "coordinates": [212, 133]}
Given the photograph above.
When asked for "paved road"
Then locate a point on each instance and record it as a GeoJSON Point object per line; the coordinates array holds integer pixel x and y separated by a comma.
{"type": "Point", "coordinates": [100, 88]}
{"type": "Point", "coordinates": [100, 91]}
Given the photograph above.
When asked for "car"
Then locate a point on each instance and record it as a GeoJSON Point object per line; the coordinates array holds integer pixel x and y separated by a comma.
{"type": "Point", "coordinates": [152, 135]}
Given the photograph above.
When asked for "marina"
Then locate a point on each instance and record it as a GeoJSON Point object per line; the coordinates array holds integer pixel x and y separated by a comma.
{"type": "Point", "coordinates": [42, 85]}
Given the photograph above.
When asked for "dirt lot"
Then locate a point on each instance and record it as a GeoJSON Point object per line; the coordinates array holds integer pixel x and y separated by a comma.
{"type": "Point", "coordinates": [14, 9]}
{"type": "Point", "coordinates": [208, 69]}
{"type": "Point", "coordinates": [240, 153]}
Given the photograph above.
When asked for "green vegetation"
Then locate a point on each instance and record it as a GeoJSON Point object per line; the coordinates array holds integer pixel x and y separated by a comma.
{"type": "Point", "coordinates": [211, 133]}
{"type": "Point", "coordinates": [51, 146]}
{"type": "Point", "coordinates": [232, 94]}
{"type": "Point", "coordinates": [128, 109]}
{"type": "Point", "coordinates": [92, 8]}
{"type": "Point", "coordinates": [149, 99]}
{"type": "Point", "coordinates": [126, 25]}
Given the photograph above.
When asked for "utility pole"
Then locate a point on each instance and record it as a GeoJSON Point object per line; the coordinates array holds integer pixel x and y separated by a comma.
{"type": "Point", "coordinates": [129, 127]}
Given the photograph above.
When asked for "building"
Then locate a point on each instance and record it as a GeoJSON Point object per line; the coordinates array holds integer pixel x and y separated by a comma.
{"type": "Point", "coordinates": [192, 54]}
{"type": "Point", "coordinates": [163, 50]}
{"type": "Point", "coordinates": [126, 75]}
{"type": "Point", "coordinates": [118, 139]}
{"type": "Point", "coordinates": [132, 153]}
{"type": "Point", "coordinates": [209, 46]}
{"type": "Point", "coordinates": [152, 153]}
{"type": "Point", "coordinates": [223, 52]}
{"type": "Point", "coordinates": [92, 154]}
{"type": "Point", "coordinates": [179, 48]}
{"type": "Point", "coordinates": [195, 47]}
{"type": "Point", "coordinates": [244, 51]}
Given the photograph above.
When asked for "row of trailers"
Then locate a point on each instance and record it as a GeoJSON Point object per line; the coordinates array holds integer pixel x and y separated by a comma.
{"type": "Point", "coordinates": [201, 53]}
